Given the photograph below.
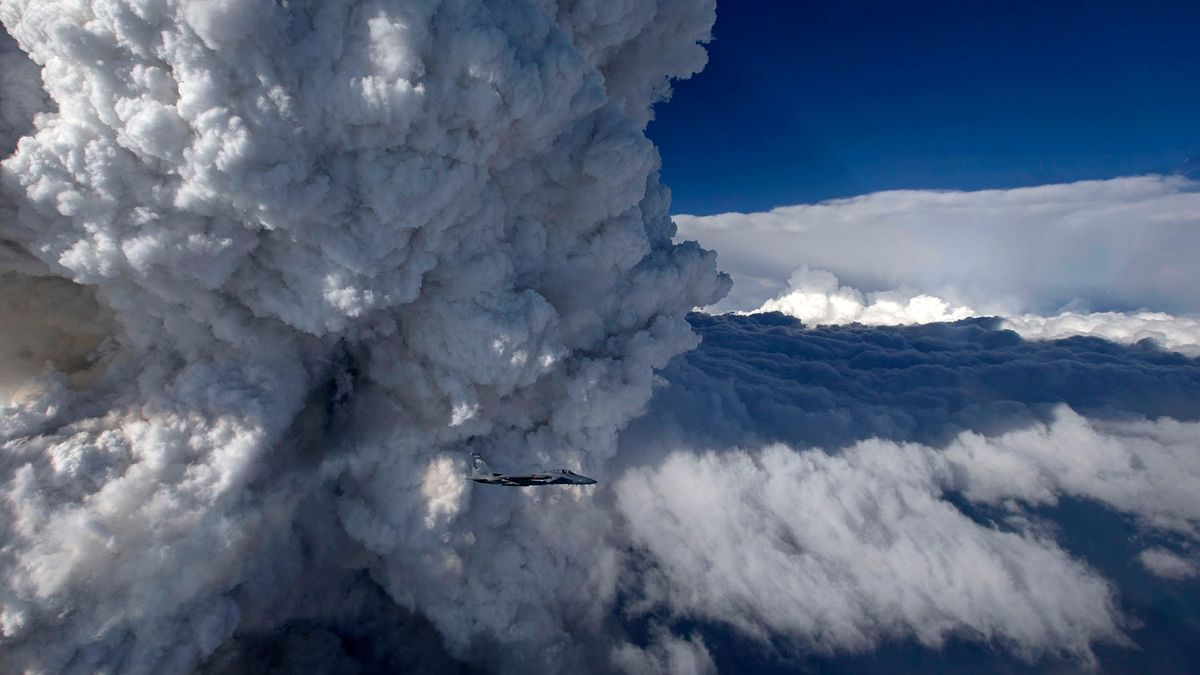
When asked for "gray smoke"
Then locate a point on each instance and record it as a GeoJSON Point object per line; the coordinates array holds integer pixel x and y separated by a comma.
{"type": "Point", "coordinates": [307, 254]}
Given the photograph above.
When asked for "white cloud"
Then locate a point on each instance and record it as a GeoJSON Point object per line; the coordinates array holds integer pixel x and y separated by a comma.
{"type": "Point", "coordinates": [1121, 244]}
{"type": "Point", "coordinates": [1149, 469]}
{"type": "Point", "coordinates": [1167, 564]}
{"type": "Point", "coordinates": [816, 298]}
{"type": "Point", "coordinates": [841, 552]}
{"type": "Point", "coordinates": [666, 654]}
{"type": "Point", "coordinates": [1179, 333]}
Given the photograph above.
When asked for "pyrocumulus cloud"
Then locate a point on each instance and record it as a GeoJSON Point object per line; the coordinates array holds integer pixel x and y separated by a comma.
{"type": "Point", "coordinates": [291, 261]}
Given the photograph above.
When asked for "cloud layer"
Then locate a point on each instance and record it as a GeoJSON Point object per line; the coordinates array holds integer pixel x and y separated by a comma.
{"type": "Point", "coordinates": [816, 298]}
{"type": "Point", "coordinates": [1114, 245]}
{"type": "Point", "coordinates": [766, 378]}
{"type": "Point", "coordinates": [838, 489]}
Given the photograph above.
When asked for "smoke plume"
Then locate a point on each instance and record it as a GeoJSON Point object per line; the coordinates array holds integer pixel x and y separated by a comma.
{"type": "Point", "coordinates": [272, 269]}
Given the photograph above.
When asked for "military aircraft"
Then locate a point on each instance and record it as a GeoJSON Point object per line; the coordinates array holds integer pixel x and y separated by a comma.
{"type": "Point", "coordinates": [481, 473]}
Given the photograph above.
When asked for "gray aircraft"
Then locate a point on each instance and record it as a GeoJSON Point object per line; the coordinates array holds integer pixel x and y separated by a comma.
{"type": "Point", "coordinates": [481, 473]}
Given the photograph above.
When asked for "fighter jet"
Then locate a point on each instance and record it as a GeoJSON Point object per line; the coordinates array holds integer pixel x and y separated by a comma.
{"type": "Point", "coordinates": [481, 473]}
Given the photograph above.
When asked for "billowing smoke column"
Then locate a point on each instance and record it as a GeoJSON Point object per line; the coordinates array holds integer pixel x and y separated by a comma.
{"type": "Point", "coordinates": [287, 263]}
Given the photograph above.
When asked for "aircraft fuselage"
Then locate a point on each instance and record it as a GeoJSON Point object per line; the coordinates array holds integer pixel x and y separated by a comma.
{"type": "Point", "coordinates": [481, 473]}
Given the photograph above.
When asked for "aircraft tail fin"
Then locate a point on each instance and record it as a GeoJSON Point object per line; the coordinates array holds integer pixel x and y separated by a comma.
{"type": "Point", "coordinates": [478, 466]}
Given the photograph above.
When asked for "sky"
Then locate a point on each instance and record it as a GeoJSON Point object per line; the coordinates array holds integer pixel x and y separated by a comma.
{"type": "Point", "coordinates": [270, 273]}
{"type": "Point", "coordinates": [807, 101]}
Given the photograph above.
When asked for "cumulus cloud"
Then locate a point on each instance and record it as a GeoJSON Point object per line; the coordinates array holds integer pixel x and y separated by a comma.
{"type": "Point", "coordinates": [1179, 333]}
{"type": "Point", "coordinates": [308, 254]}
{"type": "Point", "coordinates": [1113, 245]}
{"type": "Point", "coordinates": [815, 297]}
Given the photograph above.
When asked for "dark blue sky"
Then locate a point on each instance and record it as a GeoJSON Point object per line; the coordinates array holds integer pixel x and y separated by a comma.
{"type": "Point", "coordinates": [810, 100]}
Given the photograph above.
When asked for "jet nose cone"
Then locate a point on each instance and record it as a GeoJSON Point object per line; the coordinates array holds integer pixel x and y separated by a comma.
{"type": "Point", "coordinates": [589, 481]}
